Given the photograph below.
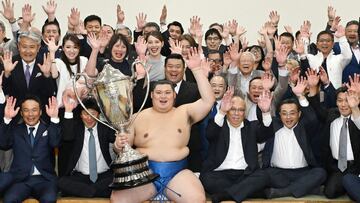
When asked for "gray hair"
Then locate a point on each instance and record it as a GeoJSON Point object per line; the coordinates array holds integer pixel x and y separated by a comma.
{"type": "Point", "coordinates": [31, 34]}
{"type": "Point", "coordinates": [123, 27]}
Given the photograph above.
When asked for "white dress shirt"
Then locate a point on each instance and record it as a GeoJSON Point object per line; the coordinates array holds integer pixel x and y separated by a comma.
{"type": "Point", "coordinates": [2, 96]}
{"type": "Point", "coordinates": [30, 64]}
{"type": "Point", "coordinates": [177, 88]}
{"type": "Point", "coordinates": [335, 128]}
{"type": "Point", "coordinates": [83, 163]}
{"type": "Point", "coordinates": [356, 51]}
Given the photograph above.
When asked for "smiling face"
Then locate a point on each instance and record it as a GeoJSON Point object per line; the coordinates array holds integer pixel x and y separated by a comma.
{"type": "Point", "coordinates": [218, 86]}
{"type": "Point", "coordinates": [28, 49]}
{"type": "Point", "coordinates": [236, 114]}
{"type": "Point", "coordinates": [89, 121]}
{"type": "Point", "coordinates": [213, 42]}
{"type": "Point", "coordinates": [289, 114]}
{"type": "Point", "coordinates": [246, 63]}
{"type": "Point", "coordinates": [175, 32]}
{"type": "Point", "coordinates": [351, 33]}
{"type": "Point", "coordinates": [30, 112]}
{"type": "Point", "coordinates": [342, 104]}
{"type": "Point", "coordinates": [255, 90]}
{"type": "Point", "coordinates": [118, 51]}
{"type": "Point", "coordinates": [93, 26]}
{"type": "Point", "coordinates": [71, 50]}
{"type": "Point", "coordinates": [154, 46]}
{"type": "Point", "coordinates": [51, 32]}
{"type": "Point", "coordinates": [325, 43]}
{"type": "Point", "coordinates": [163, 97]}
{"type": "Point", "coordinates": [174, 70]}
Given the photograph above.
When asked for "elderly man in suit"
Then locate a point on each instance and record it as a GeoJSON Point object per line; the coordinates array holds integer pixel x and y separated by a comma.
{"type": "Point", "coordinates": [32, 142]}
{"type": "Point", "coordinates": [85, 143]}
{"type": "Point", "coordinates": [231, 171]}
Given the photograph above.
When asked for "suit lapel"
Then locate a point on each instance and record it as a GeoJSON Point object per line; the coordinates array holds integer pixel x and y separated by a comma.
{"type": "Point", "coordinates": [39, 133]}
{"type": "Point", "coordinates": [21, 75]}
{"type": "Point", "coordinates": [25, 134]}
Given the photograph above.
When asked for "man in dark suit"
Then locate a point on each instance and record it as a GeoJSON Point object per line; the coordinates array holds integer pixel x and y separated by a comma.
{"type": "Point", "coordinates": [288, 157]}
{"type": "Point", "coordinates": [25, 75]}
{"type": "Point", "coordinates": [32, 142]}
{"type": "Point", "coordinates": [340, 136]}
{"type": "Point", "coordinates": [230, 171]}
{"type": "Point", "coordinates": [80, 178]}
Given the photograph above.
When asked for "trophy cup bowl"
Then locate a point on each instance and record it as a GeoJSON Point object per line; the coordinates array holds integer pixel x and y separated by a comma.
{"type": "Point", "coordinates": [113, 92]}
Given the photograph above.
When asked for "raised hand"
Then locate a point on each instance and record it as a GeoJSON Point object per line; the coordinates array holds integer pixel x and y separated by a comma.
{"type": "Point", "coordinates": [233, 24]}
{"type": "Point", "coordinates": [233, 51]}
{"type": "Point", "coordinates": [163, 15]}
{"type": "Point", "coordinates": [69, 103]}
{"type": "Point", "coordinates": [274, 18]}
{"type": "Point", "coordinates": [52, 108]}
{"type": "Point", "coordinates": [305, 29]}
{"type": "Point", "coordinates": [335, 23]}
{"type": "Point", "coordinates": [120, 14]}
{"type": "Point", "coordinates": [264, 102]}
{"type": "Point", "coordinates": [50, 9]}
{"type": "Point", "coordinates": [225, 33]}
{"type": "Point", "coordinates": [340, 32]}
{"type": "Point", "coordinates": [74, 18]}
{"type": "Point", "coordinates": [299, 47]}
{"type": "Point", "coordinates": [94, 42]}
{"type": "Point", "coordinates": [51, 44]}
{"type": "Point", "coordinates": [226, 100]}
{"type": "Point", "coordinates": [194, 23]}
{"type": "Point", "coordinates": [7, 62]}
{"type": "Point", "coordinates": [261, 42]}
{"type": "Point", "coordinates": [10, 111]}
{"type": "Point", "coordinates": [140, 21]}
{"type": "Point", "coordinates": [227, 59]}
{"type": "Point", "coordinates": [331, 12]}
{"type": "Point", "coordinates": [281, 55]}
{"type": "Point", "coordinates": [312, 77]}
{"type": "Point", "coordinates": [268, 81]}
{"type": "Point", "coordinates": [141, 46]}
{"type": "Point", "coordinates": [288, 29]}
{"type": "Point", "coordinates": [8, 11]}
{"type": "Point", "coordinates": [194, 61]}
{"type": "Point", "coordinates": [323, 76]}
{"type": "Point", "coordinates": [240, 31]}
{"type": "Point", "coordinates": [352, 99]}
{"type": "Point", "coordinates": [45, 67]}
{"type": "Point", "coordinates": [266, 64]}
{"type": "Point", "coordinates": [175, 46]}
{"type": "Point", "coordinates": [300, 87]}
{"type": "Point", "coordinates": [271, 29]}
{"type": "Point", "coordinates": [205, 67]}
{"type": "Point", "coordinates": [103, 39]}
{"type": "Point", "coordinates": [27, 14]}
{"type": "Point", "coordinates": [354, 85]}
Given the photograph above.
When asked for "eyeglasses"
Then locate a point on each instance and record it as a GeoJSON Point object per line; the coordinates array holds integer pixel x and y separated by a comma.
{"type": "Point", "coordinates": [235, 110]}
{"type": "Point", "coordinates": [215, 60]}
{"type": "Point", "coordinates": [288, 114]}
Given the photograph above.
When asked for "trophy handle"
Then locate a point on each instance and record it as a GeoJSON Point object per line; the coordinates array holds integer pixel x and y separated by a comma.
{"type": "Point", "coordinates": [147, 79]}
{"type": "Point", "coordinates": [79, 99]}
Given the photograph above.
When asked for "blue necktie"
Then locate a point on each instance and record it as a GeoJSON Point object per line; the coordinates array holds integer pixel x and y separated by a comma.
{"type": "Point", "coordinates": [342, 159]}
{"type": "Point", "coordinates": [92, 157]}
{"type": "Point", "coordinates": [213, 111]}
{"type": "Point", "coordinates": [32, 140]}
{"type": "Point", "coordinates": [27, 75]}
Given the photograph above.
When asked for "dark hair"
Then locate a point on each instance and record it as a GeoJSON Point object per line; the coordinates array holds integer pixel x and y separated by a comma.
{"type": "Point", "coordinates": [254, 78]}
{"type": "Point", "coordinates": [177, 24]}
{"type": "Point", "coordinates": [221, 76]}
{"type": "Point", "coordinates": [91, 103]}
{"type": "Point", "coordinates": [215, 52]}
{"type": "Point", "coordinates": [287, 34]}
{"type": "Point", "coordinates": [324, 32]}
{"type": "Point", "coordinates": [261, 52]}
{"type": "Point", "coordinates": [216, 24]}
{"type": "Point", "coordinates": [92, 18]}
{"type": "Point", "coordinates": [155, 34]}
{"type": "Point", "coordinates": [161, 82]}
{"type": "Point", "coordinates": [50, 23]}
{"type": "Point", "coordinates": [188, 38]}
{"type": "Point", "coordinates": [76, 41]}
{"type": "Point", "coordinates": [118, 38]}
{"type": "Point", "coordinates": [152, 24]}
{"type": "Point", "coordinates": [340, 90]}
{"type": "Point", "coordinates": [352, 22]}
{"type": "Point", "coordinates": [212, 31]}
{"type": "Point", "coordinates": [297, 33]}
{"type": "Point", "coordinates": [289, 101]}
{"type": "Point", "coordinates": [31, 97]}
{"type": "Point", "coordinates": [175, 56]}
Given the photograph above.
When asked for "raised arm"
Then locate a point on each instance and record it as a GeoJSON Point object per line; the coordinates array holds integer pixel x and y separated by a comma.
{"type": "Point", "coordinates": [50, 9]}
{"type": "Point", "coordinates": [199, 109]}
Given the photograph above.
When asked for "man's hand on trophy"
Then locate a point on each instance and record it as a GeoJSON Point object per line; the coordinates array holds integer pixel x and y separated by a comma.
{"type": "Point", "coordinates": [121, 140]}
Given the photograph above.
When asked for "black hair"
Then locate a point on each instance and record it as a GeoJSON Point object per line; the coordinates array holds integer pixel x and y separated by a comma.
{"type": "Point", "coordinates": [212, 31]}
{"type": "Point", "coordinates": [340, 90]}
{"type": "Point", "coordinates": [50, 23]}
{"type": "Point", "coordinates": [76, 41]}
{"type": "Point", "coordinates": [352, 22]}
{"type": "Point", "coordinates": [325, 32]}
{"type": "Point", "coordinates": [116, 38]}
{"type": "Point", "coordinates": [31, 97]}
{"type": "Point", "coordinates": [152, 24]}
{"type": "Point", "coordinates": [177, 24]}
{"type": "Point", "coordinates": [92, 18]}
{"type": "Point", "coordinates": [161, 82]}
{"type": "Point", "coordinates": [90, 103]}
{"type": "Point", "coordinates": [287, 34]}
{"type": "Point", "coordinates": [175, 56]}
{"type": "Point", "coordinates": [289, 101]}
{"type": "Point", "coordinates": [155, 34]}
{"type": "Point", "coordinates": [216, 24]}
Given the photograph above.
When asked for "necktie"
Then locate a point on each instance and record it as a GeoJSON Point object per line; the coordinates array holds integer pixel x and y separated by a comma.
{"type": "Point", "coordinates": [342, 159]}
{"type": "Point", "coordinates": [32, 140]}
{"type": "Point", "coordinates": [27, 75]}
{"type": "Point", "coordinates": [213, 111]}
{"type": "Point", "coordinates": [324, 65]}
{"type": "Point", "coordinates": [92, 157]}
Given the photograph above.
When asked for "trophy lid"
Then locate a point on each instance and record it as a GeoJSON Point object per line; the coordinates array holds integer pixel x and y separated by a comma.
{"type": "Point", "coordinates": [110, 74]}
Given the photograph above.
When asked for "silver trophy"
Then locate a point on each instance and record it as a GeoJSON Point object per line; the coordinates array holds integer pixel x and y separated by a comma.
{"type": "Point", "coordinates": [113, 93]}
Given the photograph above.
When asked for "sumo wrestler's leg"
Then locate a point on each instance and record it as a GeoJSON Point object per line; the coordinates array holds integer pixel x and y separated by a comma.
{"type": "Point", "coordinates": [188, 186]}
{"type": "Point", "coordinates": [133, 195]}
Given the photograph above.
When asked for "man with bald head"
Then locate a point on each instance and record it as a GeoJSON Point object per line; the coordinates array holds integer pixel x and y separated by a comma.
{"type": "Point", "coordinates": [230, 171]}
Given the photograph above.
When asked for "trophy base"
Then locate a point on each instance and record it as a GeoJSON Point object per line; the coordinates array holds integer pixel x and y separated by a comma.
{"type": "Point", "coordinates": [134, 183]}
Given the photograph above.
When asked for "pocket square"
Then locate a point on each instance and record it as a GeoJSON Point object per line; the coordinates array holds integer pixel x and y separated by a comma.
{"type": "Point", "coordinates": [45, 133]}
{"type": "Point", "coordinates": [38, 75]}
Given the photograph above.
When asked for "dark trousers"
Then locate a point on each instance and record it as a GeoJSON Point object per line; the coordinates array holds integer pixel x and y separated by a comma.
{"type": "Point", "coordinates": [5, 181]}
{"type": "Point", "coordinates": [238, 185]}
{"type": "Point", "coordinates": [35, 186]}
{"type": "Point", "coordinates": [80, 185]}
{"type": "Point", "coordinates": [299, 182]}
{"type": "Point", "coordinates": [352, 185]}
{"type": "Point", "coordinates": [334, 184]}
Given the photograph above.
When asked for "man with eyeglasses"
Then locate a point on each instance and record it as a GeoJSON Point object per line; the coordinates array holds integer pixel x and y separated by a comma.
{"type": "Point", "coordinates": [288, 158]}
{"type": "Point", "coordinates": [230, 171]}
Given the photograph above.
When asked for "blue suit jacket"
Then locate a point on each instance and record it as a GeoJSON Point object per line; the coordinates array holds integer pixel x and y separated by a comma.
{"type": "Point", "coordinates": [15, 136]}
{"type": "Point", "coordinates": [352, 68]}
